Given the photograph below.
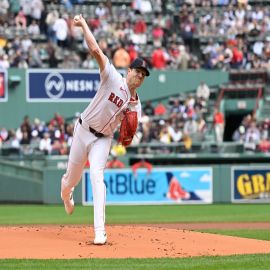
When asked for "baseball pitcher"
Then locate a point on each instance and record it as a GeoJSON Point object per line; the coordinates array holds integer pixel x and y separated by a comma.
{"type": "Point", "coordinates": [116, 102]}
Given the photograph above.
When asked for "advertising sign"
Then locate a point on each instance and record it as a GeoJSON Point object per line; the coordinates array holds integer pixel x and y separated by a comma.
{"type": "Point", "coordinates": [250, 185]}
{"type": "Point", "coordinates": [161, 186]}
{"type": "Point", "coordinates": [61, 85]}
{"type": "Point", "coordinates": [3, 86]}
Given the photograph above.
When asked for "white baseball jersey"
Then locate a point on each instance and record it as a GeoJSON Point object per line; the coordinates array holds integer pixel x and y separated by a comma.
{"type": "Point", "coordinates": [105, 111]}
{"type": "Point", "coordinates": [103, 115]}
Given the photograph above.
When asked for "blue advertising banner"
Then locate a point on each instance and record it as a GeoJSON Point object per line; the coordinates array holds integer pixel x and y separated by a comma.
{"type": "Point", "coordinates": [161, 186]}
{"type": "Point", "coordinates": [61, 85]}
{"type": "Point", "coordinates": [250, 185]}
{"type": "Point", "coordinates": [3, 86]}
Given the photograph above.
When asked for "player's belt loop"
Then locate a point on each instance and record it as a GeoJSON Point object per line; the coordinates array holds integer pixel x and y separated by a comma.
{"type": "Point", "coordinates": [97, 134]}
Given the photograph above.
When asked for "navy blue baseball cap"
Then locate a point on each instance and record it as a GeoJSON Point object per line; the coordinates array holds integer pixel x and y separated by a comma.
{"type": "Point", "coordinates": [140, 63]}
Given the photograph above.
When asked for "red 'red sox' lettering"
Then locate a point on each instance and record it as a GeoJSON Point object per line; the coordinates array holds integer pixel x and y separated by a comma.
{"type": "Point", "coordinates": [116, 100]}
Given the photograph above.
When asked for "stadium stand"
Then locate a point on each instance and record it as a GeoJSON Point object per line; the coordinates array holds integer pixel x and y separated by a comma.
{"type": "Point", "coordinates": [224, 35]}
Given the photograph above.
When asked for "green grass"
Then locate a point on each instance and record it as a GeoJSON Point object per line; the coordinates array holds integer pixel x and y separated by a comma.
{"type": "Point", "coordinates": [42, 214]}
{"type": "Point", "coordinates": [250, 262]}
{"type": "Point", "coordinates": [246, 233]}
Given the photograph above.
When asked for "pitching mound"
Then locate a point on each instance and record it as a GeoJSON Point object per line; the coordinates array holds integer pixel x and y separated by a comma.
{"type": "Point", "coordinates": [138, 241]}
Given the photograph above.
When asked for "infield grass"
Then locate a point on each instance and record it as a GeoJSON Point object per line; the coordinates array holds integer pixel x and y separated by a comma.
{"type": "Point", "coordinates": [240, 262]}
{"type": "Point", "coordinates": [246, 233]}
{"type": "Point", "coordinates": [55, 214]}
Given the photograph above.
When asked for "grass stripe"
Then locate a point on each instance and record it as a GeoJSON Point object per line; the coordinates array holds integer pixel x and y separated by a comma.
{"type": "Point", "coordinates": [261, 234]}
{"type": "Point", "coordinates": [55, 214]}
{"type": "Point", "coordinates": [239, 262]}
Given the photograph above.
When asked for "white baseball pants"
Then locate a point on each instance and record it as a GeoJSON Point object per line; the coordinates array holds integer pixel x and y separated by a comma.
{"type": "Point", "coordinates": [86, 145]}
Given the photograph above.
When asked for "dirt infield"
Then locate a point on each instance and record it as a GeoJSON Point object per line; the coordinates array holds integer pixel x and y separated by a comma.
{"type": "Point", "coordinates": [127, 241]}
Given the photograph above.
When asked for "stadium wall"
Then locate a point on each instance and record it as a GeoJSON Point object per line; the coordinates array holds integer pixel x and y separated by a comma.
{"type": "Point", "coordinates": [159, 85]}
{"type": "Point", "coordinates": [25, 183]}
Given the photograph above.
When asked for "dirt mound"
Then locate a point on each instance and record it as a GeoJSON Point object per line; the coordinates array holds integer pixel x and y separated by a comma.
{"type": "Point", "coordinates": [125, 241]}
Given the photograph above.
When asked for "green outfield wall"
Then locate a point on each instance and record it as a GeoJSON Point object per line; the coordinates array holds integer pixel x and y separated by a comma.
{"type": "Point", "coordinates": [29, 181]}
{"type": "Point", "coordinates": [159, 85]}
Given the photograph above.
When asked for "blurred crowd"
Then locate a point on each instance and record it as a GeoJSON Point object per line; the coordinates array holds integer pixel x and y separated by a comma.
{"type": "Point", "coordinates": [52, 138]}
{"type": "Point", "coordinates": [253, 134]}
{"type": "Point", "coordinates": [181, 119]}
{"type": "Point", "coordinates": [169, 34]}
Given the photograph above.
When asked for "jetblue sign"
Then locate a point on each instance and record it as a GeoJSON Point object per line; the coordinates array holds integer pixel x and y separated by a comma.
{"type": "Point", "coordinates": [61, 85]}
{"type": "Point", "coordinates": [161, 186]}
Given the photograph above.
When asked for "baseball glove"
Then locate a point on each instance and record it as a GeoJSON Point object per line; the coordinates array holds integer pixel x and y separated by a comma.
{"type": "Point", "coordinates": [128, 127]}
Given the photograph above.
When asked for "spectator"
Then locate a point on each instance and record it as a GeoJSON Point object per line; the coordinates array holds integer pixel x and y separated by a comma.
{"type": "Point", "coordinates": [12, 140]}
{"type": "Point", "coordinates": [174, 131]}
{"type": "Point", "coordinates": [265, 128]}
{"type": "Point", "coordinates": [20, 20]}
{"type": "Point", "coordinates": [57, 120]}
{"type": "Point", "coordinates": [3, 44]}
{"type": "Point", "coordinates": [190, 127]}
{"type": "Point", "coordinates": [45, 144]}
{"type": "Point", "coordinates": [51, 51]}
{"type": "Point", "coordinates": [94, 23]}
{"type": "Point", "coordinates": [35, 140]}
{"type": "Point", "coordinates": [51, 18]}
{"type": "Point", "coordinates": [101, 11]}
{"type": "Point", "coordinates": [164, 135]}
{"type": "Point", "coordinates": [4, 5]}
{"type": "Point", "coordinates": [121, 58]}
{"type": "Point", "coordinates": [252, 137]}
{"type": "Point", "coordinates": [219, 125]}
{"type": "Point", "coordinates": [60, 28]}
{"type": "Point", "coordinates": [202, 127]}
{"type": "Point", "coordinates": [37, 8]}
{"type": "Point", "coordinates": [239, 134]}
{"type": "Point", "coordinates": [175, 109]}
{"type": "Point", "coordinates": [34, 59]}
{"type": "Point", "coordinates": [203, 91]}
{"type": "Point", "coordinates": [142, 6]}
{"type": "Point", "coordinates": [33, 29]}
{"type": "Point", "coordinates": [145, 128]}
{"type": "Point", "coordinates": [25, 138]}
{"type": "Point", "coordinates": [4, 62]}
{"type": "Point", "coordinates": [39, 127]}
{"type": "Point", "coordinates": [160, 109]}
{"type": "Point", "coordinates": [139, 29]}
{"type": "Point", "coordinates": [26, 126]}
{"type": "Point", "coordinates": [174, 54]}
{"type": "Point", "coordinates": [26, 8]}
{"type": "Point", "coordinates": [187, 29]}
{"type": "Point", "coordinates": [157, 34]}
{"type": "Point", "coordinates": [148, 108]}
{"type": "Point", "coordinates": [132, 51]}
{"type": "Point", "coordinates": [183, 58]}
{"type": "Point", "coordinates": [26, 43]}
{"type": "Point", "coordinates": [159, 58]}
{"type": "Point", "coordinates": [58, 147]}
{"type": "Point", "coordinates": [264, 145]}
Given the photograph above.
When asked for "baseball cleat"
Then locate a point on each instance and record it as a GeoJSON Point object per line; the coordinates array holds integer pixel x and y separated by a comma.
{"type": "Point", "coordinates": [69, 204]}
{"type": "Point", "coordinates": [100, 238]}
